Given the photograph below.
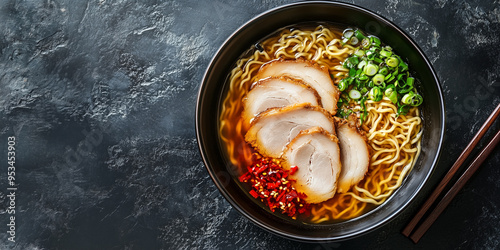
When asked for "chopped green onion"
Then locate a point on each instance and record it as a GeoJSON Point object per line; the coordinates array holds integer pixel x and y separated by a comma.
{"type": "Point", "coordinates": [344, 113]}
{"type": "Point", "coordinates": [391, 93]}
{"type": "Point", "coordinates": [348, 33]}
{"type": "Point", "coordinates": [385, 53]}
{"type": "Point", "coordinates": [365, 43]}
{"type": "Point", "coordinates": [359, 35]}
{"type": "Point", "coordinates": [370, 69]}
{"type": "Point", "coordinates": [374, 71]}
{"type": "Point", "coordinates": [359, 53]}
{"type": "Point", "coordinates": [343, 85]}
{"type": "Point", "coordinates": [354, 41]}
{"type": "Point", "coordinates": [400, 77]}
{"type": "Point", "coordinates": [350, 79]}
{"type": "Point", "coordinates": [351, 62]}
{"type": "Point", "coordinates": [403, 110]}
{"type": "Point", "coordinates": [389, 90]}
{"type": "Point", "coordinates": [382, 85]}
{"type": "Point", "coordinates": [384, 71]}
{"type": "Point", "coordinates": [354, 60]}
{"type": "Point", "coordinates": [405, 87]}
{"type": "Point", "coordinates": [375, 94]}
{"type": "Point", "coordinates": [363, 106]}
{"type": "Point", "coordinates": [389, 79]}
{"type": "Point", "coordinates": [352, 72]}
{"type": "Point", "coordinates": [403, 66]}
{"type": "Point", "coordinates": [412, 99]}
{"type": "Point", "coordinates": [345, 41]}
{"type": "Point", "coordinates": [407, 98]}
{"type": "Point", "coordinates": [378, 60]}
{"type": "Point", "coordinates": [370, 84]}
{"type": "Point", "coordinates": [393, 97]}
{"type": "Point", "coordinates": [395, 72]}
{"type": "Point", "coordinates": [417, 100]}
{"type": "Point", "coordinates": [354, 94]}
{"type": "Point", "coordinates": [378, 79]}
{"type": "Point", "coordinates": [410, 81]}
{"type": "Point", "coordinates": [392, 61]}
{"type": "Point", "coordinates": [370, 54]}
{"type": "Point", "coordinates": [361, 64]}
{"type": "Point", "coordinates": [375, 41]}
{"type": "Point", "coordinates": [358, 83]}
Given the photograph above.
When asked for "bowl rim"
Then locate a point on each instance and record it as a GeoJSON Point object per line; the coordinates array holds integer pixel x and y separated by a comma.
{"type": "Point", "coordinates": [364, 230]}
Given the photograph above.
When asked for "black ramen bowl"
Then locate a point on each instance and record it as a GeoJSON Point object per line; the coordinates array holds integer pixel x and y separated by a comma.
{"type": "Point", "coordinates": [212, 90]}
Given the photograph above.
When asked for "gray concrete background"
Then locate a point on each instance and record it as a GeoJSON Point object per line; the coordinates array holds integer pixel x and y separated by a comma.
{"type": "Point", "coordinates": [100, 96]}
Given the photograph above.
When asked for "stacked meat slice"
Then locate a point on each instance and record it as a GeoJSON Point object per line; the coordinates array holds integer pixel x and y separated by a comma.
{"type": "Point", "coordinates": [274, 92]}
{"type": "Point", "coordinates": [290, 110]}
{"type": "Point", "coordinates": [317, 153]}
{"type": "Point", "coordinates": [312, 74]}
{"type": "Point", "coordinates": [354, 154]}
{"type": "Point", "coordinates": [273, 129]}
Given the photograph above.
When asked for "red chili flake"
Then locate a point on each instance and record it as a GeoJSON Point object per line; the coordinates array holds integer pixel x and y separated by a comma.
{"type": "Point", "coordinates": [291, 195]}
{"type": "Point", "coordinates": [254, 194]}
{"type": "Point", "coordinates": [270, 184]}
{"type": "Point", "coordinates": [259, 170]}
{"type": "Point", "coordinates": [280, 197]}
{"type": "Point", "coordinates": [284, 175]}
{"type": "Point", "coordinates": [244, 177]}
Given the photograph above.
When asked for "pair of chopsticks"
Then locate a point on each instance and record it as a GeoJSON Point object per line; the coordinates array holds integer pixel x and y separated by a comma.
{"type": "Point", "coordinates": [424, 226]}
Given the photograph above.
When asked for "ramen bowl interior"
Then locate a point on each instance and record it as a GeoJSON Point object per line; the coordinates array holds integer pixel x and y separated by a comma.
{"type": "Point", "coordinates": [212, 90]}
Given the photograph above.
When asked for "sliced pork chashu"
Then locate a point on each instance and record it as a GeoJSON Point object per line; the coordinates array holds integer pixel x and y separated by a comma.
{"type": "Point", "coordinates": [274, 128]}
{"type": "Point", "coordinates": [354, 155]}
{"type": "Point", "coordinates": [278, 92]}
{"type": "Point", "coordinates": [316, 154]}
{"type": "Point", "coordinates": [314, 75]}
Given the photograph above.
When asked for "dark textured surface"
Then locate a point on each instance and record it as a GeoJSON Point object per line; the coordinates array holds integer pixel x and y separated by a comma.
{"type": "Point", "coordinates": [100, 96]}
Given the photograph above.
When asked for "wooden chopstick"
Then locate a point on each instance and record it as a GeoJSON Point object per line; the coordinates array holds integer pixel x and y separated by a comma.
{"type": "Point", "coordinates": [444, 182]}
{"type": "Point", "coordinates": [455, 189]}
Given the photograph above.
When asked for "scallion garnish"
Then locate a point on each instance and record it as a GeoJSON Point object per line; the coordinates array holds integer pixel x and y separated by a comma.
{"type": "Point", "coordinates": [354, 41]}
{"type": "Point", "coordinates": [392, 61]}
{"type": "Point", "coordinates": [359, 53]}
{"type": "Point", "coordinates": [375, 41]}
{"type": "Point", "coordinates": [375, 94]}
{"type": "Point", "coordinates": [384, 71]}
{"type": "Point", "coordinates": [348, 33]}
{"type": "Point", "coordinates": [375, 71]}
{"type": "Point", "coordinates": [359, 34]}
{"type": "Point", "coordinates": [354, 94]}
{"type": "Point", "coordinates": [343, 85]}
{"type": "Point", "coordinates": [378, 79]}
{"type": "Point", "coordinates": [385, 53]}
{"type": "Point", "coordinates": [365, 43]}
{"type": "Point", "coordinates": [370, 69]}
